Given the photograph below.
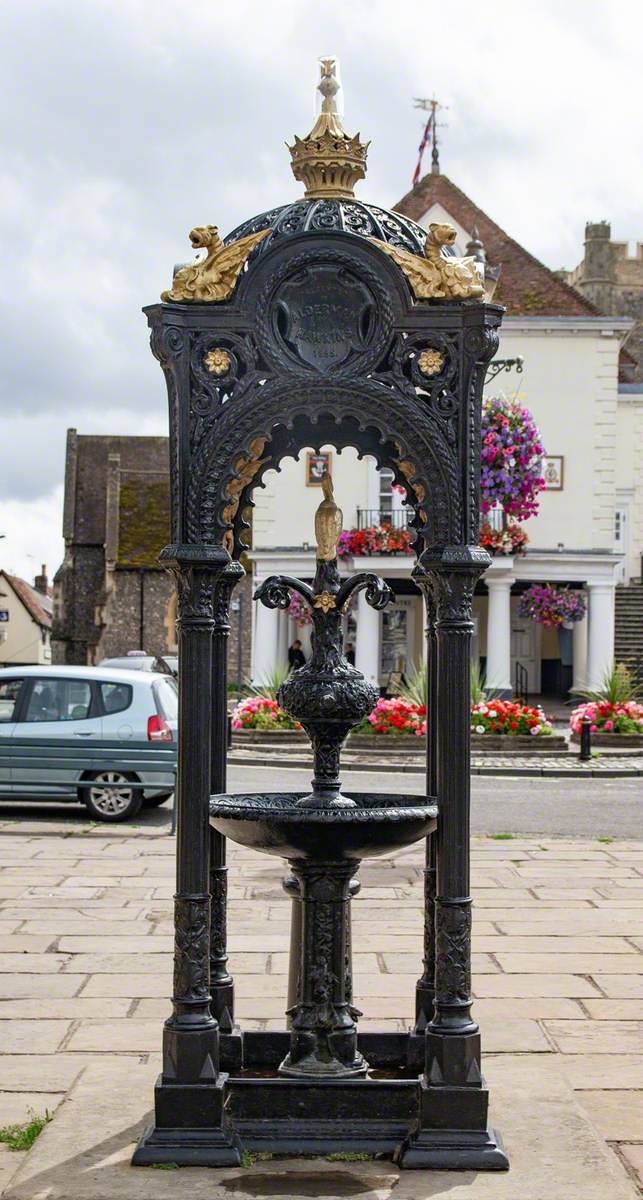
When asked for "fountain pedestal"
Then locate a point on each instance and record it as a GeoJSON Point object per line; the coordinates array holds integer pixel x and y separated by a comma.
{"type": "Point", "coordinates": [324, 1034]}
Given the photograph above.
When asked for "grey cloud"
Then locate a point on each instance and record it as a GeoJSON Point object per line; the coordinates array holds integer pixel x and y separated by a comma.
{"type": "Point", "coordinates": [130, 122]}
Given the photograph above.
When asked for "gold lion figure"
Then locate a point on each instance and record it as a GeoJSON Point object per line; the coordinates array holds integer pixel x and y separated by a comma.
{"type": "Point", "coordinates": [436, 277]}
{"type": "Point", "coordinates": [215, 276]}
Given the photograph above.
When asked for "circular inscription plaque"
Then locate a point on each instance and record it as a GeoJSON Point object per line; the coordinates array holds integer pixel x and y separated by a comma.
{"type": "Point", "coordinates": [321, 316]}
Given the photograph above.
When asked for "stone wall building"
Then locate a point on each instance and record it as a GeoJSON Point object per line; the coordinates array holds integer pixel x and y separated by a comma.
{"type": "Point", "coordinates": [612, 280]}
{"type": "Point", "coordinates": [110, 593]}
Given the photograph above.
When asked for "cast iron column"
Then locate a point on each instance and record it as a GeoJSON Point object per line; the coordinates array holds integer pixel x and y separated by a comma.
{"type": "Point", "coordinates": [452, 1037]}
{"type": "Point", "coordinates": [425, 987]}
{"type": "Point", "coordinates": [221, 982]}
{"type": "Point", "coordinates": [191, 1034]}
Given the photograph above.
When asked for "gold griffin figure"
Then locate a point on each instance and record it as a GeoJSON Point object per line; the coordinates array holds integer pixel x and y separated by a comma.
{"type": "Point", "coordinates": [215, 276]}
{"type": "Point", "coordinates": [329, 522]}
{"type": "Point", "coordinates": [436, 277]}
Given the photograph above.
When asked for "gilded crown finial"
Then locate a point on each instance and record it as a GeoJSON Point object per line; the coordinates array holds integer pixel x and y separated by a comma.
{"type": "Point", "coordinates": [328, 161]}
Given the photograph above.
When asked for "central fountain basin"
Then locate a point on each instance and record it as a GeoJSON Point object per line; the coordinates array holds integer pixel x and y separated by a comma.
{"type": "Point", "coordinates": [274, 823]}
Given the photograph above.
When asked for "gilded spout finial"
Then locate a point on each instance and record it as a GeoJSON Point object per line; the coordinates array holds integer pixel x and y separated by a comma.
{"type": "Point", "coordinates": [329, 522]}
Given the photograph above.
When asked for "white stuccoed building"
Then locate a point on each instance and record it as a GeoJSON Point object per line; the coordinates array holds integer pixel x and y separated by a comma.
{"type": "Point", "coordinates": [589, 531]}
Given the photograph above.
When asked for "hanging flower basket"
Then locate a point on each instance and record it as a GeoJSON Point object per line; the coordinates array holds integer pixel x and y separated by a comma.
{"type": "Point", "coordinates": [552, 607]}
{"type": "Point", "coordinates": [511, 459]}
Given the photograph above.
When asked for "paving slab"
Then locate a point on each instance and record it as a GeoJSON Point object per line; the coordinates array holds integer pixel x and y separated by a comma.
{"type": "Point", "coordinates": [16, 986]}
{"type": "Point", "coordinates": [632, 1156]}
{"type": "Point", "coordinates": [27, 1037]}
{"type": "Point", "coordinates": [40, 1072]}
{"type": "Point", "coordinates": [618, 1115]}
{"type": "Point", "coordinates": [553, 1147]}
{"type": "Point", "coordinates": [600, 1071]}
{"type": "Point", "coordinates": [533, 985]}
{"type": "Point", "coordinates": [16, 1108]}
{"type": "Point", "coordinates": [596, 1037]}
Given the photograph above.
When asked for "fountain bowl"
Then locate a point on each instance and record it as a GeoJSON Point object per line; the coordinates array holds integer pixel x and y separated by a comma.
{"type": "Point", "coordinates": [274, 823]}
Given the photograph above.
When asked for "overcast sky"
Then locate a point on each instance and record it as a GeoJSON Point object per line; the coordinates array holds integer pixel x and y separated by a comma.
{"type": "Point", "coordinates": [126, 122]}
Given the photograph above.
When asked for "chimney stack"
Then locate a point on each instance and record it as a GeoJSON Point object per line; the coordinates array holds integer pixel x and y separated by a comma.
{"type": "Point", "coordinates": [41, 583]}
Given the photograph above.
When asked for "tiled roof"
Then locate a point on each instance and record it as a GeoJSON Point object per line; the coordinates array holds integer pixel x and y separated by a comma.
{"type": "Point", "coordinates": [38, 606]}
{"type": "Point", "coordinates": [526, 287]}
{"type": "Point", "coordinates": [143, 519]}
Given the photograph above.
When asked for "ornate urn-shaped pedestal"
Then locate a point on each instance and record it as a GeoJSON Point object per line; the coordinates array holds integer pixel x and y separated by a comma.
{"type": "Point", "coordinates": [327, 696]}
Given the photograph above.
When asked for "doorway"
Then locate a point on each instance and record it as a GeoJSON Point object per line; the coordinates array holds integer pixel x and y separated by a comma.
{"type": "Point", "coordinates": [525, 648]}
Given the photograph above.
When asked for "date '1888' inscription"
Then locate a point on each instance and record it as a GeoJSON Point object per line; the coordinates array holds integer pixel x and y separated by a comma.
{"type": "Point", "coordinates": [324, 320]}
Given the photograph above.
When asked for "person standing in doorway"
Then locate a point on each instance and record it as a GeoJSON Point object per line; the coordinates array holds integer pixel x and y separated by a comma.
{"type": "Point", "coordinates": [296, 656]}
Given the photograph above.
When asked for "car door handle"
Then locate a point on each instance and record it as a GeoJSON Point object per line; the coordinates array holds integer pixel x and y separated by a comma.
{"type": "Point", "coordinates": [83, 735]}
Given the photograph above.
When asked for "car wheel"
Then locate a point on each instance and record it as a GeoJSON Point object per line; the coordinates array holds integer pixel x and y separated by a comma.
{"type": "Point", "coordinates": [154, 801]}
{"type": "Point", "coordinates": [109, 796]}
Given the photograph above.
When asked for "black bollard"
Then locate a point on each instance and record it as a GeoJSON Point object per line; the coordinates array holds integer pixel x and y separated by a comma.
{"type": "Point", "coordinates": [585, 740]}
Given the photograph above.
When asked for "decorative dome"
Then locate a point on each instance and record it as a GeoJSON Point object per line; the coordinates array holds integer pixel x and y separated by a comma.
{"type": "Point", "coordinates": [329, 162]}
{"type": "Point", "coordinates": [336, 215]}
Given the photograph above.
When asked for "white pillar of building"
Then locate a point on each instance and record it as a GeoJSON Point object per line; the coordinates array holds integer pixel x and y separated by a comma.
{"type": "Point", "coordinates": [498, 671]}
{"type": "Point", "coordinates": [600, 646]}
{"type": "Point", "coordinates": [580, 653]}
{"type": "Point", "coordinates": [265, 642]}
{"type": "Point", "coordinates": [367, 641]}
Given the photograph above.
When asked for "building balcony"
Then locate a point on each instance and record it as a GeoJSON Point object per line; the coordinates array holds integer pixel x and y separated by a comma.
{"type": "Point", "coordinates": [369, 518]}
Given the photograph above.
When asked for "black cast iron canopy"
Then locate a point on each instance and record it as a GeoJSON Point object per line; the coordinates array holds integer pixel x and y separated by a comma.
{"type": "Point", "coordinates": [333, 216]}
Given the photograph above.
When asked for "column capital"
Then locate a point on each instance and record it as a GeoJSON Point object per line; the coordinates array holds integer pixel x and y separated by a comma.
{"type": "Point", "coordinates": [500, 582]}
{"type": "Point", "coordinates": [600, 585]}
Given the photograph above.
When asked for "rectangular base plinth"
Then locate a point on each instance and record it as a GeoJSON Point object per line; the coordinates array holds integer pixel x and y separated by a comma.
{"type": "Point", "coordinates": [391, 1113]}
{"type": "Point", "coordinates": [188, 1148]}
{"type": "Point", "coordinates": [453, 1150]}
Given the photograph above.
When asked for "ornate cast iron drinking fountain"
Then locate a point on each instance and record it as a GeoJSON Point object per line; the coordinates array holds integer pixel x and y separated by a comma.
{"type": "Point", "coordinates": [325, 321]}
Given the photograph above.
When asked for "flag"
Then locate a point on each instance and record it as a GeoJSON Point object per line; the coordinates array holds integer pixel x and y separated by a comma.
{"type": "Point", "coordinates": [422, 147]}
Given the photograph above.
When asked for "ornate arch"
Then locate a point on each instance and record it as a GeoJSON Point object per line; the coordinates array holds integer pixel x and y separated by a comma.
{"type": "Point", "coordinates": [281, 418]}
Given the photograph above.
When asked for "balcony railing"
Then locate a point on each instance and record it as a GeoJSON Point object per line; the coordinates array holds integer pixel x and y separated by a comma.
{"type": "Point", "coordinates": [369, 517]}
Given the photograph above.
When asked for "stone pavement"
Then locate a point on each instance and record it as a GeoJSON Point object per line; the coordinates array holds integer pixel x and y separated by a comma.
{"type": "Point", "coordinates": [85, 951]}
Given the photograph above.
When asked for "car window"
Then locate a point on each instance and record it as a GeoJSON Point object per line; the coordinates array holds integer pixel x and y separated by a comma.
{"type": "Point", "coordinates": [59, 700]}
{"type": "Point", "coordinates": [167, 697]}
{"type": "Point", "coordinates": [9, 696]}
{"type": "Point", "coordinates": [116, 697]}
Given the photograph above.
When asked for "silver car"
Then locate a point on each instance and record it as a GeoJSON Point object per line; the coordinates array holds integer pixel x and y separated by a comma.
{"type": "Point", "coordinates": [103, 736]}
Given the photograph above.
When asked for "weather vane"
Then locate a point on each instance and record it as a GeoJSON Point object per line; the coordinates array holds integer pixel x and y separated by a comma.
{"type": "Point", "coordinates": [432, 106]}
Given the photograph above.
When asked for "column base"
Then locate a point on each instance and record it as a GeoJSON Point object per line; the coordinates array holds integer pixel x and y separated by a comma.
{"type": "Point", "coordinates": [453, 1060]}
{"type": "Point", "coordinates": [451, 1132]}
{"type": "Point", "coordinates": [453, 1150]}
{"type": "Point", "coordinates": [424, 1006]}
{"type": "Point", "coordinates": [190, 1056]}
{"type": "Point", "coordinates": [222, 1005]}
{"type": "Point", "coordinates": [190, 1129]}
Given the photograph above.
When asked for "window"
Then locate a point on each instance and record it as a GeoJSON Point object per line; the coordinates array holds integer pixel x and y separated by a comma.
{"type": "Point", "coordinates": [167, 699]}
{"type": "Point", "coordinates": [116, 697]}
{"type": "Point", "coordinates": [9, 696]}
{"type": "Point", "coordinates": [386, 493]}
{"type": "Point", "coordinates": [59, 700]}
